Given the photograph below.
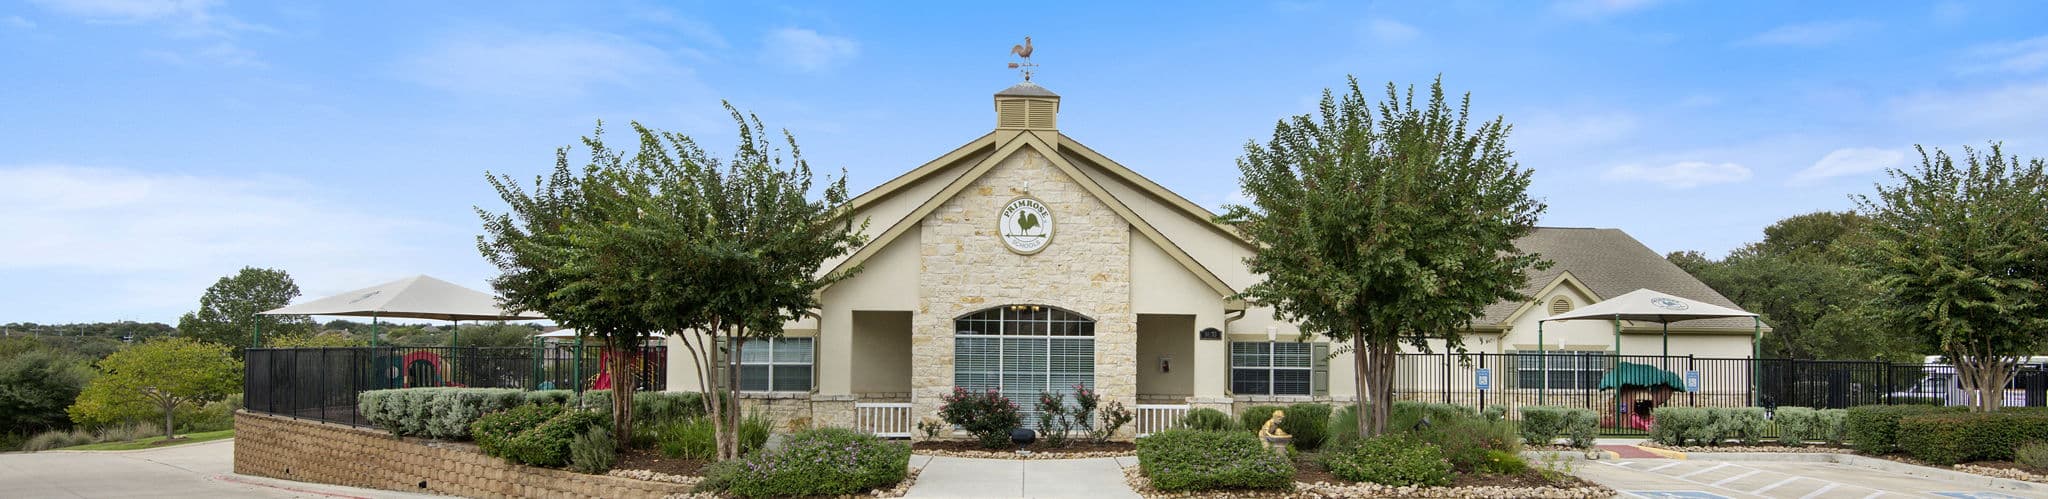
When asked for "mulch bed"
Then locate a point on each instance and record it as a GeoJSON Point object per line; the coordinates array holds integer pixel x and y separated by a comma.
{"type": "Point", "coordinates": [651, 460]}
{"type": "Point", "coordinates": [1073, 447]}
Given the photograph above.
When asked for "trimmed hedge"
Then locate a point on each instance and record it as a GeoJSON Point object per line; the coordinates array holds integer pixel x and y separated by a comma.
{"type": "Point", "coordinates": [1396, 460]}
{"type": "Point", "coordinates": [494, 432]}
{"type": "Point", "coordinates": [1195, 460]}
{"type": "Point", "coordinates": [1708, 426]}
{"type": "Point", "coordinates": [1949, 438]}
{"type": "Point", "coordinates": [1874, 429]}
{"type": "Point", "coordinates": [1208, 419]}
{"type": "Point", "coordinates": [438, 412]}
{"type": "Point", "coordinates": [1542, 425]}
{"type": "Point", "coordinates": [650, 407]}
{"type": "Point", "coordinates": [549, 443]}
{"type": "Point", "coordinates": [817, 462]}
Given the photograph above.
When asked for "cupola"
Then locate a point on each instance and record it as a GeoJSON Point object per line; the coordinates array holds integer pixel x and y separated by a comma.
{"type": "Point", "coordinates": [1027, 106]}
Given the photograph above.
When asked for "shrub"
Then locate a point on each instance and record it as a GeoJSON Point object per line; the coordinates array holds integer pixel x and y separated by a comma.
{"type": "Point", "coordinates": [57, 439]}
{"type": "Point", "coordinates": [1114, 417]}
{"type": "Point", "coordinates": [695, 438]}
{"type": "Point", "coordinates": [989, 416]}
{"type": "Point", "coordinates": [1494, 412]}
{"type": "Point", "coordinates": [657, 407]}
{"type": "Point", "coordinates": [1797, 425]}
{"type": "Point", "coordinates": [1582, 426]}
{"type": "Point", "coordinates": [2032, 454]}
{"type": "Point", "coordinates": [1676, 425]}
{"type": "Point", "coordinates": [1053, 421]}
{"type": "Point", "coordinates": [593, 451]}
{"type": "Point", "coordinates": [1874, 429]}
{"type": "Point", "coordinates": [819, 462]}
{"type": "Point", "coordinates": [1503, 463]}
{"type": "Point", "coordinates": [1828, 425]}
{"type": "Point", "coordinates": [1465, 439]}
{"type": "Point", "coordinates": [444, 413]}
{"type": "Point", "coordinates": [1309, 424]}
{"type": "Point", "coordinates": [1745, 424]}
{"type": "Point", "coordinates": [1395, 460]}
{"type": "Point", "coordinates": [494, 432]}
{"type": "Point", "coordinates": [548, 444]}
{"type": "Point", "coordinates": [1253, 418]}
{"type": "Point", "coordinates": [1208, 419]}
{"type": "Point", "coordinates": [1950, 438]}
{"type": "Point", "coordinates": [1541, 424]}
{"type": "Point", "coordinates": [1082, 415]}
{"type": "Point", "coordinates": [1195, 460]}
{"type": "Point", "coordinates": [557, 397]}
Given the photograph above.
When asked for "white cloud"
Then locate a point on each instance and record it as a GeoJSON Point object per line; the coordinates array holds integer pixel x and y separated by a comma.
{"type": "Point", "coordinates": [1849, 161]}
{"type": "Point", "coordinates": [157, 240]}
{"type": "Point", "coordinates": [2024, 56]}
{"type": "Point", "coordinates": [508, 64]}
{"type": "Point", "coordinates": [130, 10]}
{"type": "Point", "coordinates": [1810, 34]}
{"type": "Point", "coordinates": [1598, 8]}
{"type": "Point", "coordinates": [2009, 111]}
{"type": "Point", "coordinates": [17, 22]}
{"type": "Point", "coordinates": [806, 50]}
{"type": "Point", "coordinates": [1679, 175]}
{"type": "Point", "coordinates": [188, 19]}
{"type": "Point", "coordinates": [1391, 31]}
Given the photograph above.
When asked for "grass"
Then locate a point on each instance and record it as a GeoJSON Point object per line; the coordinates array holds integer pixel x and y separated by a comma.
{"type": "Point", "coordinates": [152, 441]}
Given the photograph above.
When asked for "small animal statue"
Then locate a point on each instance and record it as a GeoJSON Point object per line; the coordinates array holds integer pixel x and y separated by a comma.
{"type": "Point", "coordinates": [1024, 50]}
{"type": "Point", "coordinates": [1270, 434]}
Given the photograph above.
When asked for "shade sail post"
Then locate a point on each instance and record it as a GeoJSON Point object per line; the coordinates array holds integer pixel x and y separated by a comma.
{"type": "Point", "coordinates": [373, 330]}
{"type": "Point", "coordinates": [1617, 338]}
{"type": "Point", "coordinates": [455, 333]}
{"type": "Point", "coordinates": [256, 333]}
{"type": "Point", "coordinates": [1543, 363]}
{"type": "Point", "coordinates": [1756, 333]}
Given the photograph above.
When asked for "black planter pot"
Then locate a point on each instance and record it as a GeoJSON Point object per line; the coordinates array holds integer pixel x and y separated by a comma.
{"type": "Point", "coordinates": [1023, 437]}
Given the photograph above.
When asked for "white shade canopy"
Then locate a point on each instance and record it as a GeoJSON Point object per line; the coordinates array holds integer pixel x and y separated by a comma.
{"type": "Point", "coordinates": [571, 333]}
{"type": "Point", "coordinates": [418, 297]}
{"type": "Point", "coordinates": [1649, 306]}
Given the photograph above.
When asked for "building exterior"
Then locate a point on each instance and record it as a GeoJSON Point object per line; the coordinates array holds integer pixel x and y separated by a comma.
{"type": "Point", "coordinates": [1025, 261]}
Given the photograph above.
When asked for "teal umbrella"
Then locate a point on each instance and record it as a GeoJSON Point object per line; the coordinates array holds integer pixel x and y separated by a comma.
{"type": "Point", "coordinates": [1632, 374]}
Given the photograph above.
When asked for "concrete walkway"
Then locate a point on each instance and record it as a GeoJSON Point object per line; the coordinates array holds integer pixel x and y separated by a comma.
{"type": "Point", "coordinates": [196, 470]}
{"type": "Point", "coordinates": [965, 477]}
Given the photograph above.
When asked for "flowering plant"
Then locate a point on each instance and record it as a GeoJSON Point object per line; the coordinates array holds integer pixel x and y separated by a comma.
{"type": "Point", "coordinates": [988, 415]}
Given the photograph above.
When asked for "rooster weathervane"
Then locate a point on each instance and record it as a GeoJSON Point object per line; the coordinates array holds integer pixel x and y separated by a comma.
{"type": "Point", "coordinates": [1023, 52]}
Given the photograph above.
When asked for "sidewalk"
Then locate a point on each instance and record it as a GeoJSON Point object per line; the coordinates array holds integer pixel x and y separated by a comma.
{"type": "Point", "coordinates": [965, 477]}
{"type": "Point", "coordinates": [204, 469]}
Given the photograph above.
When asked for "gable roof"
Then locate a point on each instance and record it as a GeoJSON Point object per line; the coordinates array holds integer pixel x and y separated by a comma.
{"type": "Point", "coordinates": [1006, 144]}
{"type": "Point", "coordinates": [1609, 263]}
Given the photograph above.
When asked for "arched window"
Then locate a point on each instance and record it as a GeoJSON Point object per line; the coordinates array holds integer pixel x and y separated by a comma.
{"type": "Point", "coordinates": [1560, 305]}
{"type": "Point", "coordinates": [1022, 350]}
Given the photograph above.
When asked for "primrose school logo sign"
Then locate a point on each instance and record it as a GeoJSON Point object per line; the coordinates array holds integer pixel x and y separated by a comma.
{"type": "Point", "coordinates": [1025, 226]}
{"type": "Point", "coordinates": [1667, 303]}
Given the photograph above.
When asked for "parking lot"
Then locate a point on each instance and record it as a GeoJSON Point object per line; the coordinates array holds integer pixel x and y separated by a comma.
{"type": "Point", "coordinates": [1662, 478]}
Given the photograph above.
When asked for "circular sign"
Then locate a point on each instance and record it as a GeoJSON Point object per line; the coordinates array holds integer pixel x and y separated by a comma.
{"type": "Point", "coordinates": [1667, 303]}
{"type": "Point", "coordinates": [1025, 225]}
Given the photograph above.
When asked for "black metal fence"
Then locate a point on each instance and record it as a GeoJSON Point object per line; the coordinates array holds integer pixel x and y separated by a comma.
{"type": "Point", "coordinates": [322, 383]}
{"type": "Point", "coordinates": [1623, 388]}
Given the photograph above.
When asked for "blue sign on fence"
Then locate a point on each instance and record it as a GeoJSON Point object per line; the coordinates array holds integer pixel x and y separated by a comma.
{"type": "Point", "coordinates": [1692, 381]}
{"type": "Point", "coordinates": [1483, 378]}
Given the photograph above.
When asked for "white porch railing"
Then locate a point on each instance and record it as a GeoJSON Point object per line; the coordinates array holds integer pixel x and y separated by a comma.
{"type": "Point", "coordinates": [1154, 418]}
{"type": "Point", "coordinates": [884, 419]}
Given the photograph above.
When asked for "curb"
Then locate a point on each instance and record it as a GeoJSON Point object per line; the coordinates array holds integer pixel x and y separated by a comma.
{"type": "Point", "coordinates": [1885, 465]}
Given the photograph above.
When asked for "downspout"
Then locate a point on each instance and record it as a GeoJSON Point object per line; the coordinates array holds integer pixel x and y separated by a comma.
{"type": "Point", "coordinates": [1227, 319]}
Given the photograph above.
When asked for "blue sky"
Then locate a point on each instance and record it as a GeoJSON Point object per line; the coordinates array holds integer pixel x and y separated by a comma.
{"type": "Point", "coordinates": [150, 147]}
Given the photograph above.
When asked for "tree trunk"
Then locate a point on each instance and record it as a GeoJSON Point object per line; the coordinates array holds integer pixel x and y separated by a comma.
{"type": "Point", "coordinates": [1382, 362]}
{"type": "Point", "coordinates": [1360, 372]}
{"type": "Point", "coordinates": [170, 412]}
{"type": "Point", "coordinates": [623, 385]}
{"type": "Point", "coordinates": [729, 437]}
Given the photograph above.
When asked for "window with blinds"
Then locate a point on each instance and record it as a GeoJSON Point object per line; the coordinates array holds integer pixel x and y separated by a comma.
{"type": "Point", "coordinates": [1568, 369]}
{"type": "Point", "coordinates": [1271, 368]}
{"type": "Point", "coordinates": [1023, 350]}
{"type": "Point", "coordinates": [776, 365]}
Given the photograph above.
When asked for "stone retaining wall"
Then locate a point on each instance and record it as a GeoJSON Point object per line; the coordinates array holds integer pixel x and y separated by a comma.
{"type": "Point", "coordinates": [311, 451]}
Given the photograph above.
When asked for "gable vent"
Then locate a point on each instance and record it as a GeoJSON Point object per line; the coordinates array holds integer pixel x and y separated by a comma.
{"type": "Point", "coordinates": [1560, 306]}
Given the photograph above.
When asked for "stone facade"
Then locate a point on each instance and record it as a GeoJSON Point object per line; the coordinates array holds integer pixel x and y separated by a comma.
{"type": "Point", "coordinates": [964, 268]}
{"type": "Point", "coordinates": [310, 451]}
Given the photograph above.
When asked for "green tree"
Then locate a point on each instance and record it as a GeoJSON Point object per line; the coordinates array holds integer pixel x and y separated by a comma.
{"type": "Point", "coordinates": [1383, 230]}
{"type": "Point", "coordinates": [733, 247]}
{"type": "Point", "coordinates": [1959, 255]}
{"type": "Point", "coordinates": [155, 378]}
{"type": "Point", "coordinates": [1800, 279]}
{"type": "Point", "coordinates": [227, 312]}
{"type": "Point", "coordinates": [36, 383]}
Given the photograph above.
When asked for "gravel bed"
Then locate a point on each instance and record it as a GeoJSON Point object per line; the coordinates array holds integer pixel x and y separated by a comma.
{"type": "Point", "coordinates": [1006, 454]}
{"type": "Point", "coordinates": [2007, 473]}
{"type": "Point", "coordinates": [1319, 490]}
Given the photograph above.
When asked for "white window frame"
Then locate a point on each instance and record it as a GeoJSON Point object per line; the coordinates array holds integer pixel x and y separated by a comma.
{"type": "Point", "coordinates": [1272, 368]}
{"type": "Point", "coordinates": [1035, 328]}
{"type": "Point", "coordinates": [774, 364]}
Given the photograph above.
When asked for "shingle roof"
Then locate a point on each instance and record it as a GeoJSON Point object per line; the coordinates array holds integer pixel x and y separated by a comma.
{"type": "Point", "coordinates": [1027, 89]}
{"type": "Point", "coordinates": [1611, 263]}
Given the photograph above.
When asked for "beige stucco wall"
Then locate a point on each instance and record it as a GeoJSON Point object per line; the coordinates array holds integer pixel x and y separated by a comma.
{"type": "Point", "coordinates": [887, 281]}
{"type": "Point", "coordinates": [881, 354]}
{"type": "Point", "coordinates": [1086, 269]}
{"type": "Point", "coordinates": [1170, 336]}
